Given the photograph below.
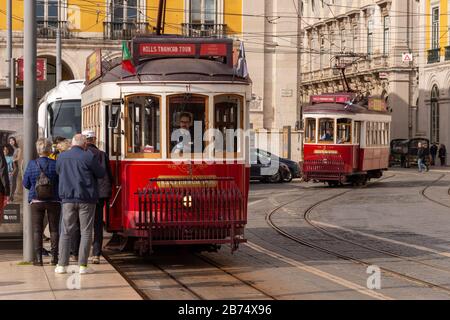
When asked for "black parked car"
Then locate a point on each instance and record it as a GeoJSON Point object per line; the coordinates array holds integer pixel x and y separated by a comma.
{"type": "Point", "coordinates": [404, 152]}
{"type": "Point", "coordinates": [264, 163]}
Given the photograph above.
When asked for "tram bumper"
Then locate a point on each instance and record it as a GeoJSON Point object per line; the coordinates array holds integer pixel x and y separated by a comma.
{"type": "Point", "coordinates": [189, 211]}
{"type": "Point", "coordinates": [324, 169]}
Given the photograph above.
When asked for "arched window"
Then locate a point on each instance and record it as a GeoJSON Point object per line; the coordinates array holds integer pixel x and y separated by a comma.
{"type": "Point", "coordinates": [434, 115]}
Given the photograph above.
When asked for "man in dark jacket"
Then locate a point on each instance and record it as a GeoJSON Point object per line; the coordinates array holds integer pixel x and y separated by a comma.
{"type": "Point", "coordinates": [433, 153]}
{"type": "Point", "coordinates": [4, 184]}
{"type": "Point", "coordinates": [78, 172]}
{"type": "Point", "coordinates": [104, 193]}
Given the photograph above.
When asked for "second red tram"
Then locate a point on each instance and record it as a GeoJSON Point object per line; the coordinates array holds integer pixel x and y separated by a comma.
{"type": "Point", "coordinates": [174, 132]}
{"type": "Point", "coordinates": [345, 141]}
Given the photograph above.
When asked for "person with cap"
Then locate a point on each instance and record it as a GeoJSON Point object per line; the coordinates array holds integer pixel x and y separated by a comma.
{"type": "Point", "coordinates": [104, 194]}
{"type": "Point", "coordinates": [78, 171]}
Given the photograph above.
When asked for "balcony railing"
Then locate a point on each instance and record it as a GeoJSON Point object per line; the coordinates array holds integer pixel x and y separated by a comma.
{"type": "Point", "coordinates": [447, 53]}
{"type": "Point", "coordinates": [123, 30]}
{"type": "Point", "coordinates": [47, 29]}
{"type": "Point", "coordinates": [434, 55]}
{"type": "Point", "coordinates": [207, 30]}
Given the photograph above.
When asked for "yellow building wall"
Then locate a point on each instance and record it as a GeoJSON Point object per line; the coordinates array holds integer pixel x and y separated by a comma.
{"type": "Point", "coordinates": [17, 12]}
{"type": "Point", "coordinates": [174, 15]}
{"type": "Point", "coordinates": [428, 25]}
{"type": "Point", "coordinates": [88, 16]}
{"type": "Point", "coordinates": [233, 16]}
{"type": "Point", "coordinates": [443, 25]}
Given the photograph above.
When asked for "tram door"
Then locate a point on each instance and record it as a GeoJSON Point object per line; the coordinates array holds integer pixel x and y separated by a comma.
{"type": "Point", "coordinates": [357, 143]}
{"type": "Point", "coordinates": [114, 140]}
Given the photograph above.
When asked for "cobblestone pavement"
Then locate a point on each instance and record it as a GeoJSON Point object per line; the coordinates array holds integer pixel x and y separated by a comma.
{"type": "Point", "coordinates": [388, 240]}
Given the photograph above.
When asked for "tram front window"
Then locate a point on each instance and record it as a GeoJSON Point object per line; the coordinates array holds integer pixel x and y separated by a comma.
{"type": "Point", "coordinates": [64, 118]}
{"type": "Point", "coordinates": [144, 125]}
{"type": "Point", "coordinates": [326, 130]}
{"type": "Point", "coordinates": [226, 120]}
{"type": "Point", "coordinates": [187, 117]}
{"type": "Point", "coordinates": [310, 131]}
{"type": "Point", "coordinates": [344, 131]}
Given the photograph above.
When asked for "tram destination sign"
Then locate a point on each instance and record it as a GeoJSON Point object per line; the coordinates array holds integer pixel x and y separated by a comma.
{"type": "Point", "coordinates": [165, 49]}
{"type": "Point", "coordinates": [182, 49]}
{"type": "Point", "coordinates": [148, 47]}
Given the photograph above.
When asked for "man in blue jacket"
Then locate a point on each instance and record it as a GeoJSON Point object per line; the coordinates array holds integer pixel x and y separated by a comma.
{"type": "Point", "coordinates": [78, 172]}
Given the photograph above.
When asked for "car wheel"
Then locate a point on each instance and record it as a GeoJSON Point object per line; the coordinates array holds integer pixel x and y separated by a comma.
{"type": "Point", "coordinates": [275, 178]}
{"type": "Point", "coordinates": [288, 177]}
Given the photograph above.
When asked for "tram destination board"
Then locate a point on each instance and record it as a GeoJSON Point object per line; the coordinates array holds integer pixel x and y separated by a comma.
{"type": "Point", "coordinates": [11, 214]}
{"type": "Point", "coordinates": [148, 47]}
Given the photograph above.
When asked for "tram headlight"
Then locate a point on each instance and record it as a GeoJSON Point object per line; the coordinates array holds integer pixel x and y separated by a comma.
{"type": "Point", "coordinates": [187, 201]}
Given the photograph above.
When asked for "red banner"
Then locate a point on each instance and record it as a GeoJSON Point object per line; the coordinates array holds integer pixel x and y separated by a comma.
{"type": "Point", "coordinates": [41, 69]}
{"type": "Point", "coordinates": [213, 49]}
{"type": "Point", "coordinates": [164, 49]}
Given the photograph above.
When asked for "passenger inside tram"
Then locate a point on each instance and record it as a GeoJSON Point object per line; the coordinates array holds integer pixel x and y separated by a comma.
{"type": "Point", "coordinates": [326, 130]}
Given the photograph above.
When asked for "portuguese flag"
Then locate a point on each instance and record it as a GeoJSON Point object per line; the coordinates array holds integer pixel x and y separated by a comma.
{"type": "Point", "coordinates": [127, 62]}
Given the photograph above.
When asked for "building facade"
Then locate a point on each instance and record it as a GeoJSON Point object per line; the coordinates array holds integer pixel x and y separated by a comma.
{"type": "Point", "coordinates": [87, 25]}
{"type": "Point", "coordinates": [381, 34]}
{"type": "Point", "coordinates": [433, 114]}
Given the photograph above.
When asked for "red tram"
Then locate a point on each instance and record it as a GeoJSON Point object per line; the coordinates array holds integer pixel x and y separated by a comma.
{"type": "Point", "coordinates": [175, 135]}
{"type": "Point", "coordinates": [345, 140]}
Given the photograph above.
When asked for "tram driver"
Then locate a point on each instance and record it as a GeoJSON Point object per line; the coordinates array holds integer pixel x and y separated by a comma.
{"type": "Point", "coordinates": [327, 136]}
{"type": "Point", "coordinates": [184, 142]}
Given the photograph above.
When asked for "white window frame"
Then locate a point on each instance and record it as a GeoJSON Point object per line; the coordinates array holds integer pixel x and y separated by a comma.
{"type": "Point", "coordinates": [435, 26]}
{"type": "Point", "coordinates": [62, 11]}
{"type": "Point", "coordinates": [140, 12]}
{"type": "Point", "coordinates": [219, 16]}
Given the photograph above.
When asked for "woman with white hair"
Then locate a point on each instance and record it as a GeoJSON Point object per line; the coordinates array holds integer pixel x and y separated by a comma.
{"type": "Point", "coordinates": [42, 181]}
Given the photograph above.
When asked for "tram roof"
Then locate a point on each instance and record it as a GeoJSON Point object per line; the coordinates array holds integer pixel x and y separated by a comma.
{"type": "Point", "coordinates": [173, 69]}
{"type": "Point", "coordinates": [338, 108]}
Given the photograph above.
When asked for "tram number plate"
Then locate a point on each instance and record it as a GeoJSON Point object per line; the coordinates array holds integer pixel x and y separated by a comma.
{"type": "Point", "coordinates": [197, 182]}
{"type": "Point", "coordinates": [11, 214]}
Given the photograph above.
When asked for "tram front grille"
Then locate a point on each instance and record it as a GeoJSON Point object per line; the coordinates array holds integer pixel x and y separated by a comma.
{"type": "Point", "coordinates": [191, 210]}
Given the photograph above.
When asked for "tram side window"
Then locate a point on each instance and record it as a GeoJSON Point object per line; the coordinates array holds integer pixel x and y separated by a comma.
{"type": "Point", "coordinates": [226, 120]}
{"type": "Point", "coordinates": [369, 140]}
{"type": "Point", "coordinates": [144, 125]}
{"type": "Point", "coordinates": [310, 132]}
{"type": "Point", "coordinates": [344, 131]}
{"type": "Point", "coordinates": [186, 113]}
{"type": "Point", "coordinates": [357, 134]}
{"type": "Point", "coordinates": [326, 130]}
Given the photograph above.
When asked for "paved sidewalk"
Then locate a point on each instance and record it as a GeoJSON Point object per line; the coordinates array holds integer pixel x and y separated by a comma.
{"type": "Point", "coordinates": [27, 282]}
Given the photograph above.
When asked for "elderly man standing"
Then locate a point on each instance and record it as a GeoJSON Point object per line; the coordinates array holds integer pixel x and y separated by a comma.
{"type": "Point", "coordinates": [104, 193]}
{"type": "Point", "coordinates": [78, 172]}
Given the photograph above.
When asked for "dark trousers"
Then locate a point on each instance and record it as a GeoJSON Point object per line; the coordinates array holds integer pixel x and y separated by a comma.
{"type": "Point", "coordinates": [98, 231]}
{"type": "Point", "coordinates": [98, 227]}
{"type": "Point", "coordinates": [442, 161]}
{"type": "Point", "coordinates": [433, 159]}
{"type": "Point", "coordinates": [38, 210]}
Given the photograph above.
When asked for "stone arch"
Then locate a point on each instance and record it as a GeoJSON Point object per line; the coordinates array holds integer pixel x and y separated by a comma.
{"type": "Point", "coordinates": [50, 83]}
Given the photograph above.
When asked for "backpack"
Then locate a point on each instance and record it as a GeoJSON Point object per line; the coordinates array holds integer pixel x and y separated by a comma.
{"type": "Point", "coordinates": [44, 186]}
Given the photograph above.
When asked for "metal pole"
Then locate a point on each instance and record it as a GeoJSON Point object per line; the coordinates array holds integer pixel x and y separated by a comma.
{"type": "Point", "coordinates": [29, 115]}
{"type": "Point", "coordinates": [58, 55]}
{"type": "Point", "coordinates": [9, 39]}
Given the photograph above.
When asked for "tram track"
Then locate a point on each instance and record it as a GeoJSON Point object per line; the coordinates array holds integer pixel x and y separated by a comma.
{"type": "Point", "coordinates": [305, 242]}
{"type": "Point", "coordinates": [183, 285]}
{"type": "Point", "coordinates": [424, 194]}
